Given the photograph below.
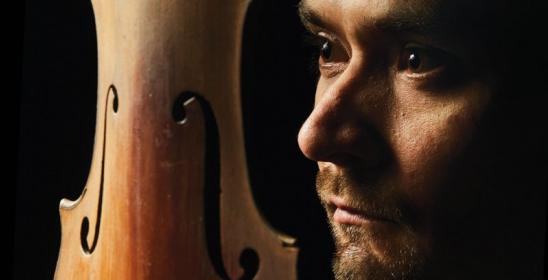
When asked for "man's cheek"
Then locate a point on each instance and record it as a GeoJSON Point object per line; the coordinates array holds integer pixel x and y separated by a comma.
{"type": "Point", "coordinates": [425, 144]}
{"type": "Point", "coordinates": [428, 130]}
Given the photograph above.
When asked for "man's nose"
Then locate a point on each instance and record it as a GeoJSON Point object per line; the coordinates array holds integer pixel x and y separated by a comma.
{"type": "Point", "coordinates": [344, 126]}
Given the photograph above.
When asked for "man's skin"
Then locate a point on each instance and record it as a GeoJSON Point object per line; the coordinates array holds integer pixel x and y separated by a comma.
{"type": "Point", "coordinates": [429, 165]}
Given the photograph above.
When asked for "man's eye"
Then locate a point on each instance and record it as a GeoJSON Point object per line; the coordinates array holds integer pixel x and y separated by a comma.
{"type": "Point", "coordinates": [415, 60]}
{"type": "Point", "coordinates": [331, 53]}
{"type": "Point", "coordinates": [325, 50]}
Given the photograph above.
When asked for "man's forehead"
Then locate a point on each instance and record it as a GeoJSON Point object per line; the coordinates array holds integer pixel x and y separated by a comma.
{"type": "Point", "coordinates": [371, 8]}
{"type": "Point", "coordinates": [362, 15]}
{"type": "Point", "coordinates": [425, 16]}
{"type": "Point", "coordinates": [378, 6]}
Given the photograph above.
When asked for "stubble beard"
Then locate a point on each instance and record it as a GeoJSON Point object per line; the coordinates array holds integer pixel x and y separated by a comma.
{"type": "Point", "coordinates": [365, 254]}
{"type": "Point", "coordinates": [357, 257]}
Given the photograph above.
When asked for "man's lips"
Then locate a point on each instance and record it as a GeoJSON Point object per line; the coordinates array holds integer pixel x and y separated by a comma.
{"type": "Point", "coordinates": [345, 214]}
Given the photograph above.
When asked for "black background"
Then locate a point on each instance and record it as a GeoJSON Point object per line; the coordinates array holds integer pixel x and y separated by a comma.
{"type": "Point", "coordinates": [57, 122]}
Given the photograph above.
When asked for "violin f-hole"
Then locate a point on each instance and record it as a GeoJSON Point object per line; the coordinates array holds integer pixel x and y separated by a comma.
{"type": "Point", "coordinates": [249, 261]}
{"type": "Point", "coordinates": [84, 229]}
{"type": "Point", "coordinates": [178, 112]}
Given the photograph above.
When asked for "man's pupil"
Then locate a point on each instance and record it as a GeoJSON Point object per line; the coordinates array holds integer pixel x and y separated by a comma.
{"type": "Point", "coordinates": [414, 61]}
{"type": "Point", "coordinates": [325, 51]}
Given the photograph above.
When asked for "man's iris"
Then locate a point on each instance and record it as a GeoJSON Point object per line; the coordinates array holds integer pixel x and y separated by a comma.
{"type": "Point", "coordinates": [325, 51]}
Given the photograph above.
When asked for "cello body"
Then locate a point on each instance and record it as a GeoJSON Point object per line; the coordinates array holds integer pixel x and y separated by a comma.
{"type": "Point", "coordinates": [168, 195]}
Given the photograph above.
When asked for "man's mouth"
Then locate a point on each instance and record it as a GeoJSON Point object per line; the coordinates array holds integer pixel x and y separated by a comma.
{"type": "Point", "coordinates": [343, 213]}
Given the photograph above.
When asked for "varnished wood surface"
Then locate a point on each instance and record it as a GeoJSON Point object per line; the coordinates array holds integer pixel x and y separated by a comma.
{"type": "Point", "coordinates": [148, 216]}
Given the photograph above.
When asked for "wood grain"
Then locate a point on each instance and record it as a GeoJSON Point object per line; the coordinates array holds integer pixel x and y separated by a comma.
{"type": "Point", "coordinates": [145, 200]}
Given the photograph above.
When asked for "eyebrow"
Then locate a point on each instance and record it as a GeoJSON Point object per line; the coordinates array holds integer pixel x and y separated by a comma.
{"type": "Point", "coordinates": [397, 21]}
{"type": "Point", "coordinates": [308, 16]}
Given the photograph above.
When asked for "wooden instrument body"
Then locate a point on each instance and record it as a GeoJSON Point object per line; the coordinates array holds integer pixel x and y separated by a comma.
{"type": "Point", "coordinates": [142, 212]}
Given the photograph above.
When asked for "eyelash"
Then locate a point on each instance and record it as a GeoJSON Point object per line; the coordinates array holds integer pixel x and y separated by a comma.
{"type": "Point", "coordinates": [313, 44]}
{"type": "Point", "coordinates": [426, 54]}
{"type": "Point", "coordinates": [443, 70]}
{"type": "Point", "coordinates": [315, 41]}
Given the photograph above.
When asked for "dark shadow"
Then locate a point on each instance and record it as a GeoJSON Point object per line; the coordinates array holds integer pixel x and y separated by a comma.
{"type": "Point", "coordinates": [58, 106]}
{"type": "Point", "coordinates": [212, 189]}
{"type": "Point", "coordinates": [277, 95]}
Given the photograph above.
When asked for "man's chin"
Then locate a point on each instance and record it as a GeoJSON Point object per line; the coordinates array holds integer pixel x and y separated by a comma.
{"type": "Point", "coordinates": [364, 255]}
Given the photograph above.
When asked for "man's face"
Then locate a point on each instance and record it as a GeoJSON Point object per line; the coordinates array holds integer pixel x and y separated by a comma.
{"type": "Point", "coordinates": [404, 89]}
